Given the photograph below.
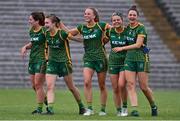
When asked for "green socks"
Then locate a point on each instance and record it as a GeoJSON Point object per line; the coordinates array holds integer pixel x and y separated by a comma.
{"type": "Point", "coordinates": [103, 107]}
{"type": "Point", "coordinates": [153, 104]}
{"type": "Point", "coordinates": [50, 106]}
{"type": "Point", "coordinates": [40, 106]}
{"type": "Point", "coordinates": [89, 105]}
{"type": "Point", "coordinates": [80, 104]}
{"type": "Point", "coordinates": [118, 109]}
{"type": "Point", "coordinates": [124, 104]}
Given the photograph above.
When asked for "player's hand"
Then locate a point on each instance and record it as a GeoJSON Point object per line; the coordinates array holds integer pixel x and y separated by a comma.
{"type": "Point", "coordinates": [23, 51]}
{"type": "Point", "coordinates": [117, 49]}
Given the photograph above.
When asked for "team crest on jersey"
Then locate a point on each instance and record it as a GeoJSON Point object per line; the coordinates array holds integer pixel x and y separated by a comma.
{"type": "Point", "coordinates": [90, 29]}
{"type": "Point", "coordinates": [132, 33]}
{"type": "Point", "coordinates": [96, 30]}
{"type": "Point", "coordinates": [54, 43]}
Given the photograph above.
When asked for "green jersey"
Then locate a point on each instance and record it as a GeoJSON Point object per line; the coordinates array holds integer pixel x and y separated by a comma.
{"type": "Point", "coordinates": [38, 45]}
{"type": "Point", "coordinates": [58, 44]}
{"type": "Point", "coordinates": [93, 44]}
{"type": "Point", "coordinates": [116, 40]}
{"type": "Point", "coordinates": [132, 34]}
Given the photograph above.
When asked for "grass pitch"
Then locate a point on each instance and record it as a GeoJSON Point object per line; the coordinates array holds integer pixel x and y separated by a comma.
{"type": "Point", "coordinates": [17, 104]}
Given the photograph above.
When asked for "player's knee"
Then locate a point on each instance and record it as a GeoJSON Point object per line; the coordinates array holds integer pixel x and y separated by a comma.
{"type": "Point", "coordinates": [102, 87]}
{"type": "Point", "coordinates": [50, 88]}
{"type": "Point", "coordinates": [71, 89]}
{"type": "Point", "coordinates": [116, 90]}
{"type": "Point", "coordinates": [87, 84]}
{"type": "Point", "coordinates": [37, 86]}
{"type": "Point", "coordinates": [144, 88]}
{"type": "Point", "coordinates": [121, 86]}
{"type": "Point", "coordinates": [130, 86]}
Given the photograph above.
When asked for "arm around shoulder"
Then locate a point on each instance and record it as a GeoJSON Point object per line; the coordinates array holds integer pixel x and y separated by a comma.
{"type": "Point", "coordinates": [74, 35]}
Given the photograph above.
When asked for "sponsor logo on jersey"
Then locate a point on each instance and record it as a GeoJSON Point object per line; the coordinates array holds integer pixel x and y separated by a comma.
{"type": "Point", "coordinates": [130, 39]}
{"type": "Point", "coordinates": [91, 36]}
{"type": "Point", "coordinates": [118, 43]}
{"type": "Point", "coordinates": [35, 39]}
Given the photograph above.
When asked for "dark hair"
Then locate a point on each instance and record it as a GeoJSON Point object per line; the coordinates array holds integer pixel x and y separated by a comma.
{"type": "Point", "coordinates": [54, 19]}
{"type": "Point", "coordinates": [38, 16]}
{"type": "Point", "coordinates": [134, 8]}
{"type": "Point", "coordinates": [95, 12]}
{"type": "Point", "coordinates": [118, 13]}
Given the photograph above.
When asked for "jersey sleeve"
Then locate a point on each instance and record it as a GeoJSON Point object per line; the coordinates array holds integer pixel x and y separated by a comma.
{"type": "Point", "coordinates": [64, 34]}
{"type": "Point", "coordinates": [107, 33]}
{"type": "Point", "coordinates": [79, 28]}
{"type": "Point", "coordinates": [103, 25]}
{"type": "Point", "coordinates": [141, 31]}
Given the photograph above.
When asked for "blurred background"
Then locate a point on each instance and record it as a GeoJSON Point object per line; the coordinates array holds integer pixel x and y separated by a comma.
{"type": "Point", "coordinates": [161, 18]}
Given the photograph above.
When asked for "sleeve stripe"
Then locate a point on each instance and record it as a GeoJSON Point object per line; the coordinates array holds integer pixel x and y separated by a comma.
{"type": "Point", "coordinates": [141, 35]}
{"type": "Point", "coordinates": [78, 31]}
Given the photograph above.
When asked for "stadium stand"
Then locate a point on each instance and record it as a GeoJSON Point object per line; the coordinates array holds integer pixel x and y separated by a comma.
{"type": "Point", "coordinates": [171, 9]}
{"type": "Point", "coordinates": [165, 69]}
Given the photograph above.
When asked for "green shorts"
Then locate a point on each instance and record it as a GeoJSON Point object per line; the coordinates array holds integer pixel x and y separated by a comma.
{"type": "Point", "coordinates": [59, 68]}
{"type": "Point", "coordinates": [115, 69]}
{"type": "Point", "coordinates": [137, 66]}
{"type": "Point", "coordinates": [38, 67]}
{"type": "Point", "coordinates": [98, 66]}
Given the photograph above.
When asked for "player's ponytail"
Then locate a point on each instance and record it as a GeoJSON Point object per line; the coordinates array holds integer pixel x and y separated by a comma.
{"type": "Point", "coordinates": [42, 19]}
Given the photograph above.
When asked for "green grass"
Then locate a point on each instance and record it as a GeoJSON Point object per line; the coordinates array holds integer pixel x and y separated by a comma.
{"type": "Point", "coordinates": [17, 104]}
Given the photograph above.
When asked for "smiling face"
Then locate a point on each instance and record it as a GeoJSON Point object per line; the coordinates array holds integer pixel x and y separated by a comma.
{"type": "Point", "coordinates": [132, 16]}
{"type": "Point", "coordinates": [89, 15]}
{"type": "Point", "coordinates": [117, 21]}
{"type": "Point", "coordinates": [32, 22]}
{"type": "Point", "coordinates": [48, 24]}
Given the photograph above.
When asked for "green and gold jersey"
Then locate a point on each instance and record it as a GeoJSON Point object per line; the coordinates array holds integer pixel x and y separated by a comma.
{"type": "Point", "coordinates": [58, 44]}
{"type": "Point", "coordinates": [93, 44]}
{"type": "Point", "coordinates": [38, 41]}
{"type": "Point", "coordinates": [132, 34]}
{"type": "Point", "coordinates": [116, 40]}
